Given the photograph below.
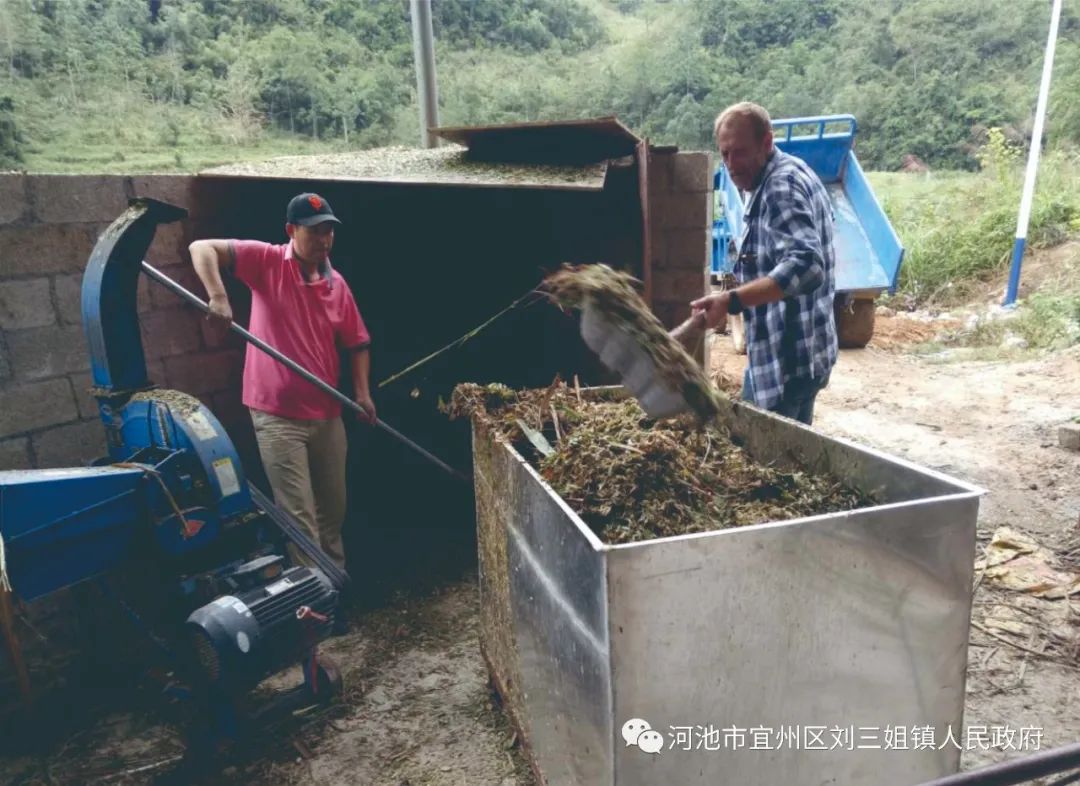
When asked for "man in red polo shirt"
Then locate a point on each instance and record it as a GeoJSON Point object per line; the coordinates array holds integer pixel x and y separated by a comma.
{"type": "Point", "coordinates": [301, 306]}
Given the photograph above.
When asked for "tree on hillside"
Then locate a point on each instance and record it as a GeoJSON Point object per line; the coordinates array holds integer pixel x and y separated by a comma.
{"type": "Point", "coordinates": [1064, 111]}
{"type": "Point", "coordinates": [921, 76]}
{"type": "Point", "coordinates": [524, 25]}
{"type": "Point", "coordinates": [10, 142]}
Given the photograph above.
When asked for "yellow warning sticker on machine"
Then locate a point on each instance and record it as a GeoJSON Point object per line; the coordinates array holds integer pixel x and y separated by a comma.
{"type": "Point", "coordinates": [226, 476]}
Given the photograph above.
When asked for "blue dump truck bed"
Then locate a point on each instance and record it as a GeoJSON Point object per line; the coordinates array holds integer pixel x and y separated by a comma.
{"type": "Point", "coordinates": [868, 252]}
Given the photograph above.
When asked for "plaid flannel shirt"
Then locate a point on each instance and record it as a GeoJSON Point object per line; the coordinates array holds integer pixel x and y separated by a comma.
{"type": "Point", "coordinates": [788, 236]}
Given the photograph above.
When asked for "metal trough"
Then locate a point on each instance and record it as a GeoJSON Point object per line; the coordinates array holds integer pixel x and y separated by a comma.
{"type": "Point", "coordinates": [782, 653]}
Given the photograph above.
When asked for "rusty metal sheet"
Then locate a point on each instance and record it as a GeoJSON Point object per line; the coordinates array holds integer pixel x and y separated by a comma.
{"type": "Point", "coordinates": [554, 141]}
{"type": "Point", "coordinates": [646, 232]}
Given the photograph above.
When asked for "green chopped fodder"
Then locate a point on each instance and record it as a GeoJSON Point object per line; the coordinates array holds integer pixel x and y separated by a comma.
{"type": "Point", "coordinates": [631, 478]}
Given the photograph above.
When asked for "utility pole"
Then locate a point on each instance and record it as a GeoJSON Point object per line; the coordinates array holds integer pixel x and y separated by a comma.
{"type": "Point", "coordinates": [1033, 159]}
{"type": "Point", "coordinates": [424, 54]}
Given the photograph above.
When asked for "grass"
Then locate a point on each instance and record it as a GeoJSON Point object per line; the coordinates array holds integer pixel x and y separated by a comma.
{"type": "Point", "coordinates": [958, 228]}
{"type": "Point", "coordinates": [113, 132]}
{"type": "Point", "coordinates": [958, 231]}
{"type": "Point", "coordinates": [1047, 321]}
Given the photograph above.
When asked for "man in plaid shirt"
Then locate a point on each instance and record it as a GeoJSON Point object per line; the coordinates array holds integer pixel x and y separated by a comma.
{"type": "Point", "coordinates": [785, 268]}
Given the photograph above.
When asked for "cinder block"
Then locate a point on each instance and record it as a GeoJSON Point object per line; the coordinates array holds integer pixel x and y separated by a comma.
{"type": "Point", "coordinates": [13, 202]}
{"type": "Point", "coordinates": [26, 304]}
{"type": "Point", "coordinates": [185, 276]}
{"type": "Point", "coordinates": [69, 298]}
{"type": "Point", "coordinates": [659, 173]}
{"type": "Point", "coordinates": [678, 285]}
{"type": "Point", "coordinates": [205, 372]}
{"type": "Point", "coordinates": [691, 172]}
{"type": "Point", "coordinates": [671, 313]}
{"type": "Point", "coordinates": [174, 189]}
{"type": "Point", "coordinates": [169, 246]}
{"type": "Point", "coordinates": [198, 227]}
{"type": "Point", "coordinates": [41, 250]}
{"type": "Point", "coordinates": [76, 199]}
{"type": "Point", "coordinates": [171, 332]}
{"type": "Point", "coordinates": [217, 335]}
{"type": "Point", "coordinates": [15, 453]}
{"type": "Point", "coordinates": [1069, 436]}
{"type": "Point", "coordinates": [688, 248]}
{"type": "Point", "coordinates": [84, 402]}
{"type": "Point", "coordinates": [155, 373]}
{"type": "Point", "coordinates": [143, 300]}
{"type": "Point", "coordinates": [685, 211]}
{"type": "Point", "coordinates": [48, 351]}
{"type": "Point", "coordinates": [33, 406]}
{"type": "Point", "coordinates": [657, 244]}
{"type": "Point", "coordinates": [73, 445]}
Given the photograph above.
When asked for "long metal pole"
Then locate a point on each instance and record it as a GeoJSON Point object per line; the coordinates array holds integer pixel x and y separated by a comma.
{"type": "Point", "coordinates": [424, 55]}
{"type": "Point", "coordinates": [1015, 771]}
{"type": "Point", "coordinates": [196, 301]}
{"type": "Point", "coordinates": [1033, 159]}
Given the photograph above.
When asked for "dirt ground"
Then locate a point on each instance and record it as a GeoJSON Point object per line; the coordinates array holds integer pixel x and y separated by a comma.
{"type": "Point", "coordinates": [416, 711]}
{"type": "Point", "coordinates": [994, 424]}
{"type": "Point", "coordinates": [417, 707]}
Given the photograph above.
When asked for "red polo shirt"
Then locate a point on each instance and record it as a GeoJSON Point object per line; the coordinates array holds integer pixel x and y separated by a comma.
{"type": "Point", "coordinates": [307, 322]}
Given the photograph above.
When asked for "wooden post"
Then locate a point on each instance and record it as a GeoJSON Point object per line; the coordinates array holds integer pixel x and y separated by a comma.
{"type": "Point", "coordinates": [11, 644]}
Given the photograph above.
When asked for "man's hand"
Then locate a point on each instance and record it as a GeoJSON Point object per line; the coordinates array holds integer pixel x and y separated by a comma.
{"type": "Point", "coordinates": [715, 308]}
{"type": "Point", "coordinates": [220, 310]}
{"type": "Point", "coordinates": [363, 400]}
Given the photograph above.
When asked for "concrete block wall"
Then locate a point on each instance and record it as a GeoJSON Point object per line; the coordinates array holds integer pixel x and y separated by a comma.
{"type": "Point", "coordinates": [48, 227]}
{"type": "Point", "coordinates": [680, 230]}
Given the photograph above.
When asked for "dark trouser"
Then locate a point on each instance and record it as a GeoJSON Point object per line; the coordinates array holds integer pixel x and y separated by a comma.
{"type": "Point", "coordinates": [798, 400]}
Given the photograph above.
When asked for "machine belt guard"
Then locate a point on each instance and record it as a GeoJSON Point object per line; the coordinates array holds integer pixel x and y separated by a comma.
{"type": "Point", "coordinates": [338, 577]}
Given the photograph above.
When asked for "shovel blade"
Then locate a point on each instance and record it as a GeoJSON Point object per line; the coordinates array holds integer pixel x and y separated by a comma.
{"type": "Point", "coordinates": [621, 354]}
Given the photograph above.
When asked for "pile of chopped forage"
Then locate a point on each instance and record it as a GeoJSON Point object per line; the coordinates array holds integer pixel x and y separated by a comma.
{"type": "Point", "coordinates": [631, 478]}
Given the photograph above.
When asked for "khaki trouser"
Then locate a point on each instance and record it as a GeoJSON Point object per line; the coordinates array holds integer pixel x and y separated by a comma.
{"type": "Point", "coordinates": [305, 463]}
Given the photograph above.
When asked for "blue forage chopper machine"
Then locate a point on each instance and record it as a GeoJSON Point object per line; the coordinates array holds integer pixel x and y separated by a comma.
{"type": "Point", "coordinates": [226, 585]}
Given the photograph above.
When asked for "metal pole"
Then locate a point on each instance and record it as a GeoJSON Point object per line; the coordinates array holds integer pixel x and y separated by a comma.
{"type": "Point", "coordinates": [424, 55]}
{"type": "Point", "coordinates": [1033, 159]}
{"type": "Point", "coordinates": [1019, 770]}
{"type": "Point", "coordinates": [196, 301]}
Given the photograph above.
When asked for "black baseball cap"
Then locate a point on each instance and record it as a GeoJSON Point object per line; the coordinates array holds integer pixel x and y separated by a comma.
{"type": "Point", "coordinates": [309, 209]}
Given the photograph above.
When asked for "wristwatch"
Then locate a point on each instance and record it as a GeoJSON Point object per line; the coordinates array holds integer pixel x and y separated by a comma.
{"type": "Point", "coordinates": [734, 305]}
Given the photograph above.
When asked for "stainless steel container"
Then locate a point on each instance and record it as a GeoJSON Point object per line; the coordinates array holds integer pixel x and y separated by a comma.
{"type": "Point", "coordinates": [822, 650]}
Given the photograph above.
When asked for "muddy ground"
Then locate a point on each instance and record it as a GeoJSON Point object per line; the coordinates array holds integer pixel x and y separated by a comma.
{"type": "Point", "coordinates": [417, 707]}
